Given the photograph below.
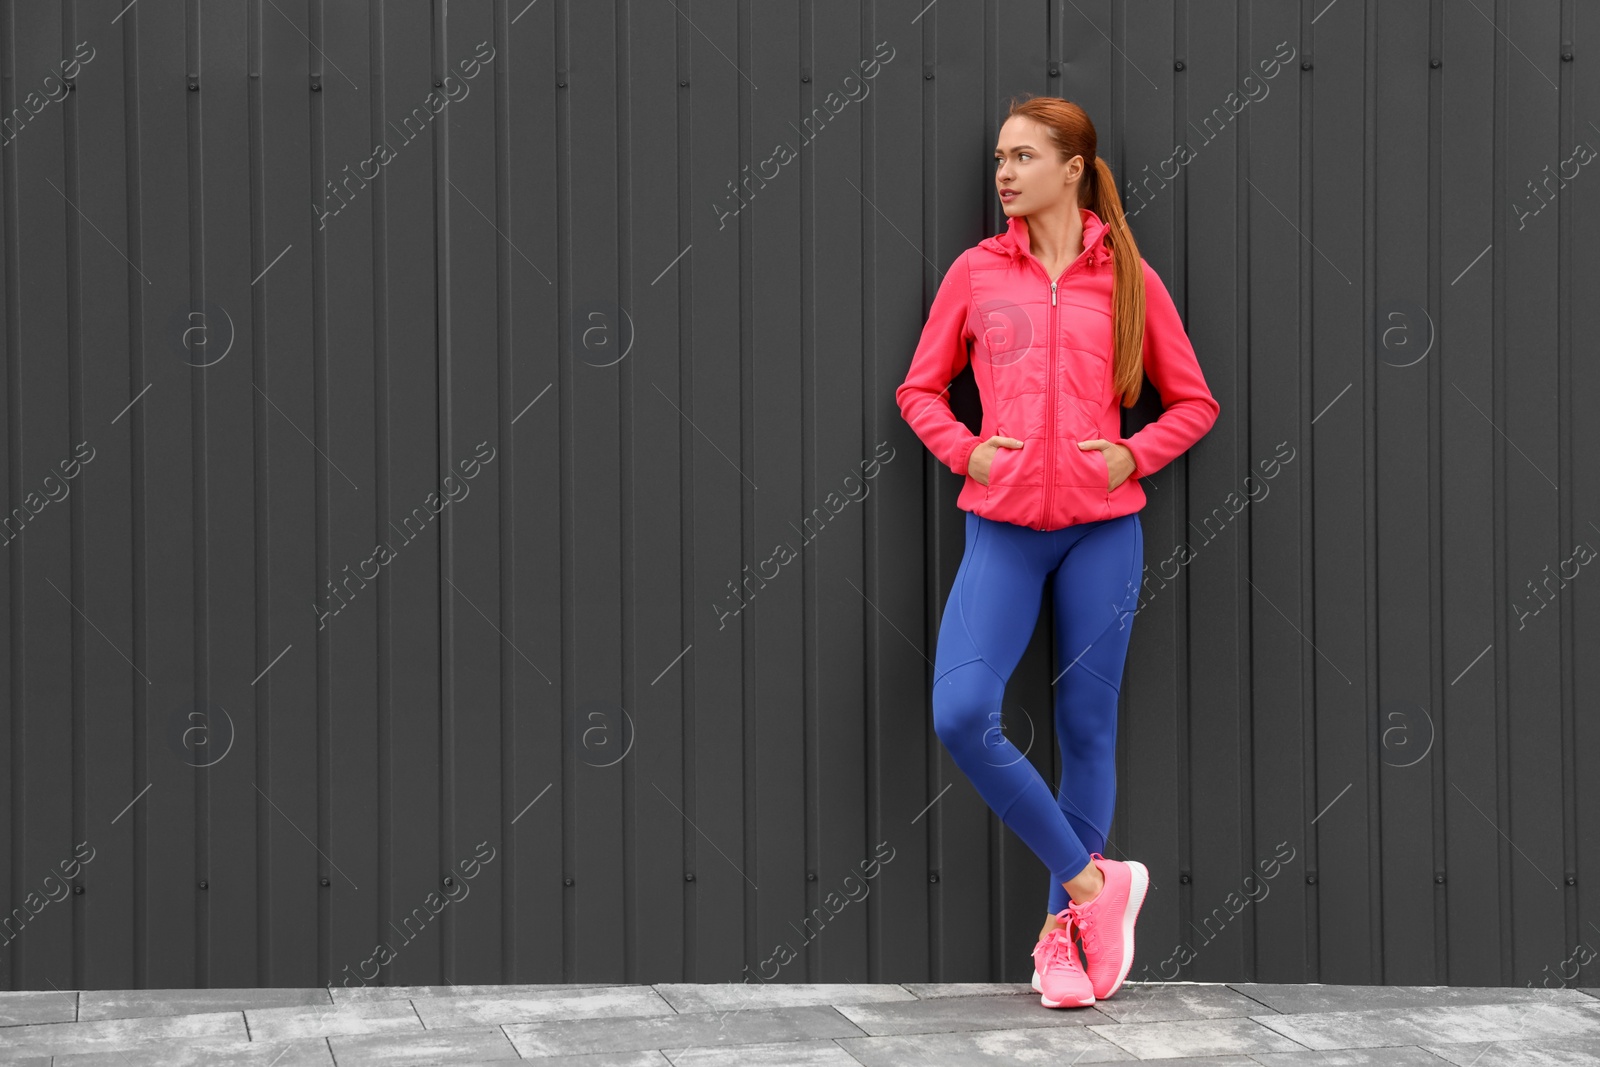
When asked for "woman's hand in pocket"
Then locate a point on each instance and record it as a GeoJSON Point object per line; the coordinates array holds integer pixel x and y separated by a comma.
{"type": "Point", "coordinates": [983, 455]}
{"type": "Point", "coordinates": [1119, 460]}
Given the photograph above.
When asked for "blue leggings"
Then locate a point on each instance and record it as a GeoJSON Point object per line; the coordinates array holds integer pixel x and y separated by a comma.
{"type": "Point", "coordinates": [1093, 570]}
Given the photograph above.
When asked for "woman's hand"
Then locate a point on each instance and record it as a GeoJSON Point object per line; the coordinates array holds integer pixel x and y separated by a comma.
{"type": "Point", "coordinates": [983, 455]}
{"type": "Point", "coordinates": [1119, 459]}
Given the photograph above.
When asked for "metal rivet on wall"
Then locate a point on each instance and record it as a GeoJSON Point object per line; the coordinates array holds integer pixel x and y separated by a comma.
{"type": "Point", "coordinates": [204, 884]}
{"type": "Point", "coordinates": [933, 877]}
{"type": "Point", "coordinates": [689, 877]}
{"type": "Point", "coordinates": [1435, 63]}
{"type": "Point", "coordinates": [1305, 64]}
{"type": "Point", "coordinates": [449, 881]}
{"type": "Point", "coordinates": [1177, 64]}
{"type": "Point", "coordinates": [811, 876]}
{"type": "Point", "coordinates": [1566, 57]}
{"type": "Point", "coordinates": [684, 83]}
{"type": "Point", "coordinates": [1183, 878]}
{"type": "Point", "coordinates": [194, 83]}
{"type": "Point", "coordinates": [78, 889]}
{"type": "Point", "coordinates": [1311, 879]}
{"type": "Point", "coordinates": [1572, 879]}
{"type": "Point", "coordinates": [805, 75]}
{"type": "Point", "coordinates": [1055, 72]}
{"type": "Point", "coordinates": [927, 72]}
{"type": "Point", "coordinates": [1438, 878]}
{"type": "Point", "coordinates": [568, 882]}
{"type": "Point", "coordinates": [561, 79]}
{"type": "Point", "coordinates": [325, 882]}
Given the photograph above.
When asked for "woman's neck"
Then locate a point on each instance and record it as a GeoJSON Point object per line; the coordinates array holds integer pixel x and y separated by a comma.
{"type": "Point", "coordinates": [1056, 237]}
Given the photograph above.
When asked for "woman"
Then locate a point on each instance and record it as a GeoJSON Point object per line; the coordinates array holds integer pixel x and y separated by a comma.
{"type": "Point", "coordinates": [1064, 317]}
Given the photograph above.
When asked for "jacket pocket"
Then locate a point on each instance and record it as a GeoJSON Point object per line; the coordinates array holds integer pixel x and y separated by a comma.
{"type": "Point", "coordinates": [1085, 468]}
{"type": "Point", "coordinates": [1099, 456]}
{"type": "Point", "coordinates": [999, 466]}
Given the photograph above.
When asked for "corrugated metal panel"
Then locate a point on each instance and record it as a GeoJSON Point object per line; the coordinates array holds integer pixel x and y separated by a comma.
{"type": "Point", "coordinates": [542, 491]}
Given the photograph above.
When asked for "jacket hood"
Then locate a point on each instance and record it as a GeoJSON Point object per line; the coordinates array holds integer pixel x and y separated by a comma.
{"type": "Point", "coordinates": [1014, 242]}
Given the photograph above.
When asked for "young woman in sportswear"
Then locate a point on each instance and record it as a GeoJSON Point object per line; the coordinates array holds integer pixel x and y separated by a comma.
{"type": "Point", "coordinates": [1063, 318]}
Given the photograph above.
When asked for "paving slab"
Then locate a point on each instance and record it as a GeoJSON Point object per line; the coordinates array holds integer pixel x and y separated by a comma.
{"type": "Point", "coordinates": [1317, 997]}
{"type": "Point", "coordinates": [1384, 1056]}
{"type": "Point", "coordinates": [606, 1002]}
{"type": "Point", "coordinates": [347, 994]}
{"type": "Point", "coordinates": [608, 1059]}
{"type": "Point", "coordinates": [688, 1030]}
{"type": "Point", "coordinates": [37, 1006]}
{"type": "Point", "coordinates": [28, 1061]}
{"type": "Point", "coordinates": [1055, 1046]}
{"type": "Point", "coordinates": [1539, 1052]}
{"type": "Point", "coordinates": [1195, 1037]}
{"type": "Point", "coordinates": [479, 1044]}
{"type": "Point", "coordinates": [60, 1038]}
{"type": "Point", "coordinates": [1442, 1025]}
{"type": "Point", "coordinates": [784, 1054]}
{"type": "Point", "coordinates": [1158, 1002]}
{"type": "Point", "coordinates": [721, 996]}
{"type": "Point", "coordinates": [331, 1020]}
{"type": "Point", "coordinates": [931, 990]}
{"type": "Point", "coordinates": [143, 1003]}
{"type": "Point", "coordinates": [221, 1052]}
{"type": "Point", "coordinates": [947, 1014]}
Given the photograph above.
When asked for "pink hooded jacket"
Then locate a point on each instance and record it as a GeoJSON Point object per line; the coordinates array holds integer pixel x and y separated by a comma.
{"type": "Point", "coordinates": [1041, 353]}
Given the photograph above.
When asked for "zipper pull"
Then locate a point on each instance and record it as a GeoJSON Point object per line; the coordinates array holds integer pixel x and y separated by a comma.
{"type": "Point", "coordinates": [1052, 294]}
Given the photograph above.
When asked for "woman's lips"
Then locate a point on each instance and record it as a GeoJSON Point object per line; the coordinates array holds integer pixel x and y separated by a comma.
{"type": "Point", "coordinates": [1009, 194]}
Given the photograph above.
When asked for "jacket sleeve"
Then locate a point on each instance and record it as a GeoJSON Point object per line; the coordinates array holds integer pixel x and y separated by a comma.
{"type": "Point", "coordinates": [1188, 408]}
{"type": "Point", "coordinates": [941, 354]}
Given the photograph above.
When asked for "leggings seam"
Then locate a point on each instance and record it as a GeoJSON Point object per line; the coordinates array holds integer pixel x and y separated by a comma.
{"type": "Point", "coordinates": [975, 659]}
{"type": "Point", "coordinates": [1102, 831]}
{"type": "Point", "coordinates": [1115, 688]}
{"type": "Point", "coordinates": [1078, 660]}
{"type": "Point", "coordinates": [961, 599]}
{"type": "Point", "coordinates": [961, 609]}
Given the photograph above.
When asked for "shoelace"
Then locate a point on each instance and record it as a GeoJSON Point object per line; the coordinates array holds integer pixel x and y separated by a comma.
{"type": "Point", "coordinates": [1085, 924]}
{"type": "Point", "coordinates": [1058, 946]}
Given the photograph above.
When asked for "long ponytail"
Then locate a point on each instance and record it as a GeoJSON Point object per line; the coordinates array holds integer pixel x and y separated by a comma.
{"type": "Point", "coordinates": [1127, 285]}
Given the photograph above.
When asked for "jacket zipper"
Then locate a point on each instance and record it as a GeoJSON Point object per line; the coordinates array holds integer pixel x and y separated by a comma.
{"type": "Point", "coordinates": [1050, 394]}
{"type": "Point", "coordinates": [1050, 412]}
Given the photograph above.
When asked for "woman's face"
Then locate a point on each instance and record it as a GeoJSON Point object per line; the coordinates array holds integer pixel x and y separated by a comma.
{"type": "Point", "coordinates": [1028, 175]}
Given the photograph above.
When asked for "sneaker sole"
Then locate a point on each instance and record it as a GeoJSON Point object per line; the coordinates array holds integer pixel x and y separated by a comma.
{"type": "Point", "coordinates": [1138, 886]}
{"type": "Point", "coordinates": [1047, 1002]}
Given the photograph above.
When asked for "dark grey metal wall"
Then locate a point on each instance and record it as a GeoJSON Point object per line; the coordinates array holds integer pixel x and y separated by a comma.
{"type": "Point", "coordinates": [515, 569]}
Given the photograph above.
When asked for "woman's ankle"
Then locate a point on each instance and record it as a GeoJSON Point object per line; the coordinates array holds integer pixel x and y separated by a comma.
{"type": "Point", "coordinates": [1081, 890]}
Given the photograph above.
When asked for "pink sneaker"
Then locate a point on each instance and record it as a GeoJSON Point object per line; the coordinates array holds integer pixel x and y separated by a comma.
{"type": "Point", "coordinates": [1057, 977]}
{"type": "Point", "coordinates": [1106, 923]}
